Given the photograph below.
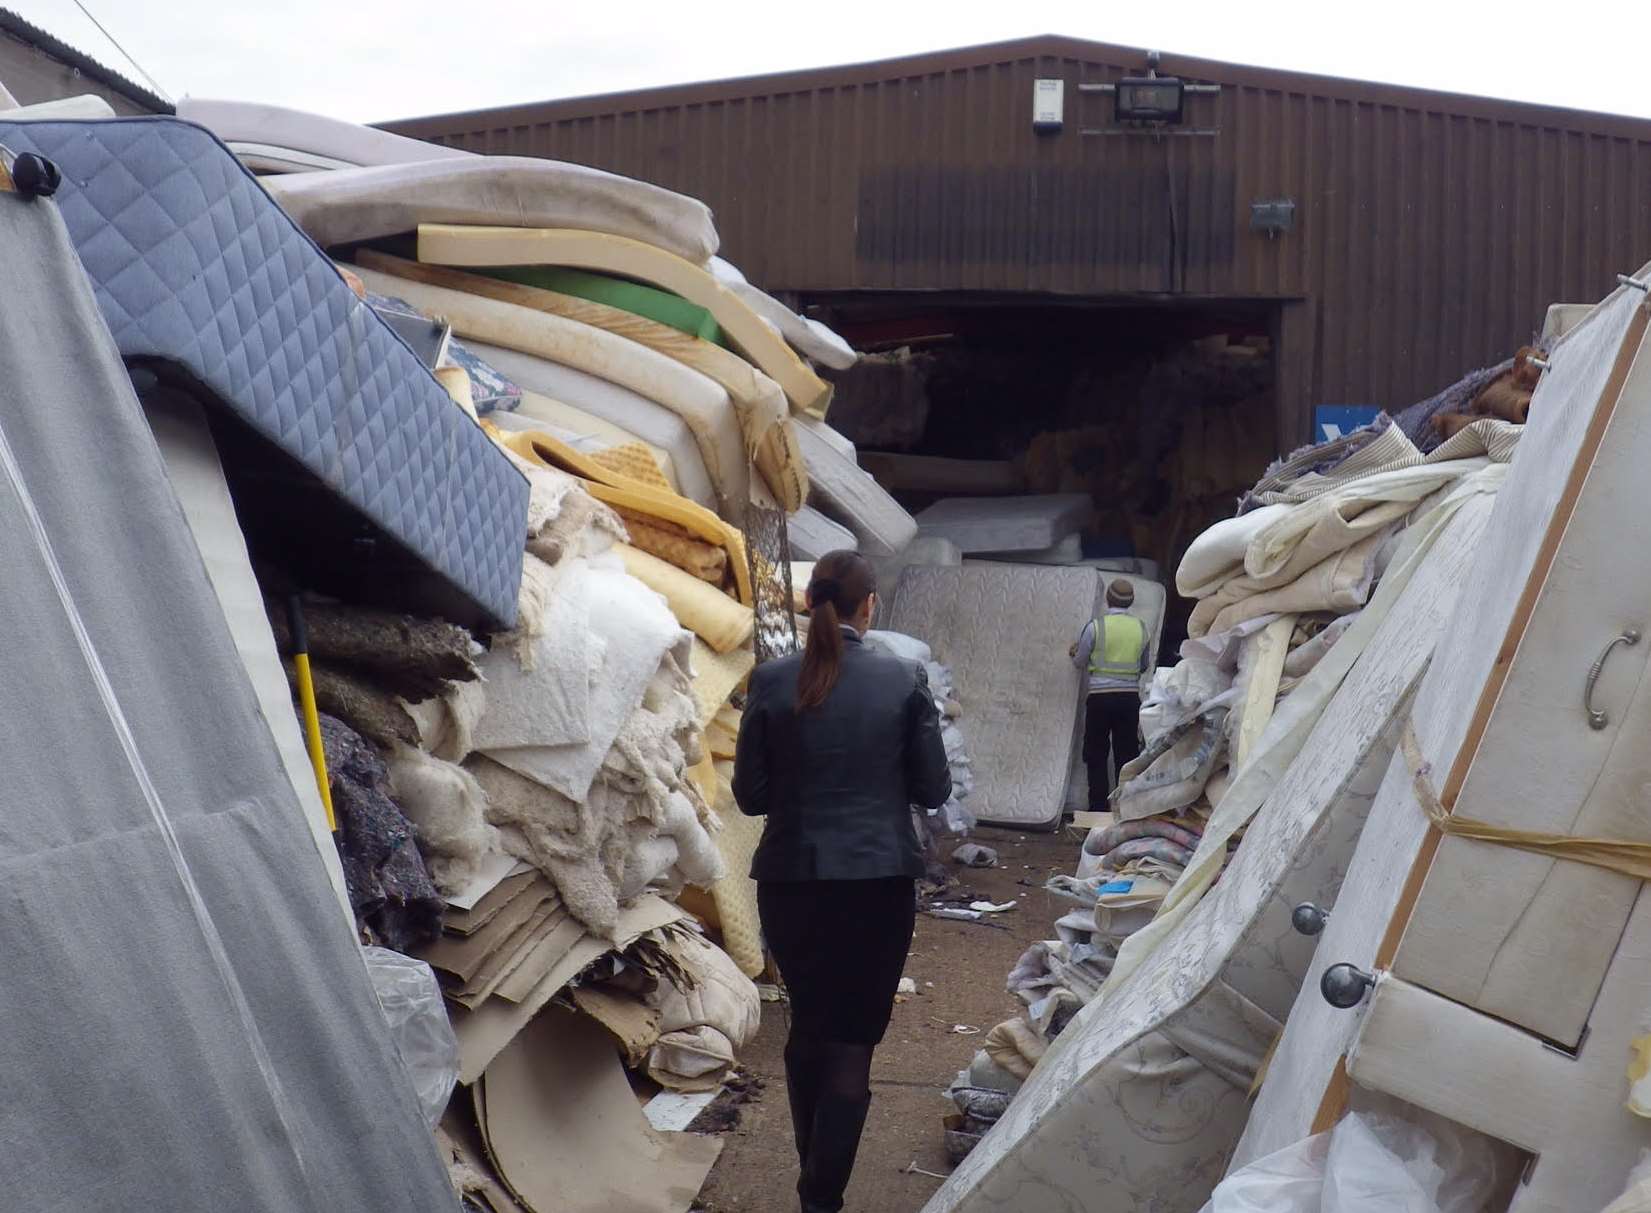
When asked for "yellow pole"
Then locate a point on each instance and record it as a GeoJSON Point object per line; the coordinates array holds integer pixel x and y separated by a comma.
{"type": "Point", "coordinates": [306, 702]}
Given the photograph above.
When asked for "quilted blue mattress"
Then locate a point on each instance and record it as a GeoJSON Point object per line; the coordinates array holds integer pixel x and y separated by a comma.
{"type": "Point", "coordinates": [196, 269]}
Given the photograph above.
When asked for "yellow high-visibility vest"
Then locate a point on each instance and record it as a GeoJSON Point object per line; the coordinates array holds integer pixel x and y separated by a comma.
{"type": "Point", "coordinates": [1119, 642]}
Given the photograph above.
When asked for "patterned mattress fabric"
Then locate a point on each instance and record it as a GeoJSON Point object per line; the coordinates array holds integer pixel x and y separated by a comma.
{"type": "Point", "coordinates": [201, 276]}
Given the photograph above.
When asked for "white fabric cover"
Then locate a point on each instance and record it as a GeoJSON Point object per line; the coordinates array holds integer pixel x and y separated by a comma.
{"type": "Point", "coordinates": [356, 204]}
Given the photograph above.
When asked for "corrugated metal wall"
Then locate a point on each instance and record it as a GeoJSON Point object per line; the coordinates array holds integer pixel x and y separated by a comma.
{"type": "Point", "coordinates": [1431, 231]}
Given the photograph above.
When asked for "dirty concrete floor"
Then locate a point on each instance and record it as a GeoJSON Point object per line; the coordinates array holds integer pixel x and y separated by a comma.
{"type": "Point", "coordinates": [959, 968]}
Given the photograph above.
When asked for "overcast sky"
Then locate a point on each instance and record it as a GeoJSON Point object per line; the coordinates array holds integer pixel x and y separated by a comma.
{"type": "Point", "coordinates": [368, 60]}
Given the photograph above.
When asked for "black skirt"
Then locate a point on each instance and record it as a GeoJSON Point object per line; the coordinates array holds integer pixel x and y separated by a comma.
{"type": "Point", "coordinates": [841, 947]}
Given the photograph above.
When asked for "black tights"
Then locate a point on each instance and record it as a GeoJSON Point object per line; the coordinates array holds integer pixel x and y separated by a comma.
{"type": "Point", "coordinates": [828, 1068]}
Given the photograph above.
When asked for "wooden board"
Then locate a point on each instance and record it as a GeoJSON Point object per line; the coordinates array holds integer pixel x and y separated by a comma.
{"type": "Point", "coordinates": [445, 244]}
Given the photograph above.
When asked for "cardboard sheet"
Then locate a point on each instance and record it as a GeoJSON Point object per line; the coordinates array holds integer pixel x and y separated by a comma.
{"type": "Point", "coordinates": [485, 1031]}
{"type": "Point", "coordinates": [633, 1024]}
{"type": "Point", "coordinates": [566, 1134]}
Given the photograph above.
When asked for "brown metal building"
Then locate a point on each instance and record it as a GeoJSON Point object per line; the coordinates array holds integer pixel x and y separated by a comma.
{"type": "Point", "coordinates": [1430, 230]}
{"type": "Point", "coordinates": [36, 67]}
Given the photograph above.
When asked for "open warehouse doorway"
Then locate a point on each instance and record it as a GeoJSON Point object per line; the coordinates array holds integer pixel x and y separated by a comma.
{"type": "Point", "coordinates": [1162, 412]}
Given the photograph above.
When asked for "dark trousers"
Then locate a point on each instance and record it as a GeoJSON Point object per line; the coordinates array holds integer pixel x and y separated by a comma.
{"type": "Point", "coordinates": [1111, 727]}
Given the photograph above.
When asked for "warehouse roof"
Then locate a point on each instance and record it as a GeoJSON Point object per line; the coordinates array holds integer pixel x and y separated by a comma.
{"type": "Point", "coordinates": [32, 35]}
{"type": "Point", "coordinates": [1044, 46]}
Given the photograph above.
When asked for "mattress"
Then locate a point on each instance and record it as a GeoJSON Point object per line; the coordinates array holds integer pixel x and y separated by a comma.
{"type": "Point", "coordinates": [1099, 1130]}
{"type": "Point", "coordinates": [1004, 630]}
{"type": "Point", "coordinates": [358, 204]}
{"type": "Point", "coordinates": [652, 423]}
{"type": "Point", "coordinates": [1559, 924]}
{"type": "Point", "coordinates": [812, 535]}
{"type": "Point", "coordinates": [701, 404]}
{"type": "Point", "coordinates": [607, 253]}
{"type": "Point", "coordinates": [203, 280]}
{"type": "Point", "coordinates": [197, 477]}
{"type": "Point", "coordinates": [845, 492]}
{"type": "Point", "coordinates": [1006, 524]}
{"type": "Point", "coordinates": [177, 981]}
{"type": "Point", "coordinates": [306, 140]}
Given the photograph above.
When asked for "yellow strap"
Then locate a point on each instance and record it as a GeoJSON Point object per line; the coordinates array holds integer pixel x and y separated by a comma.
{"type": "Point", "coordinates": [1612, 854]}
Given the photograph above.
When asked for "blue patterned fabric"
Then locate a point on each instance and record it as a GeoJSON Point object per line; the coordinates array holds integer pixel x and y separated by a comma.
{"type": "Point", "coordinates": [192, 263]}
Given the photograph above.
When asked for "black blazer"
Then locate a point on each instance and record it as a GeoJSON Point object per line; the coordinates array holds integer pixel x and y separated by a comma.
{"type": "Point", "coordinates": [837, 783]}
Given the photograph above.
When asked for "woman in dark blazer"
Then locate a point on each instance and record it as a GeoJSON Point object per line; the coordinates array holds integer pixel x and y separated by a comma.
{"type": "Point", "coordinates": [835, 747]}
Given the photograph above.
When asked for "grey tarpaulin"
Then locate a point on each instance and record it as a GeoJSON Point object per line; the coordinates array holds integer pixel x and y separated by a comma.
{"type": "Point", "coordinates": [188, 1023]}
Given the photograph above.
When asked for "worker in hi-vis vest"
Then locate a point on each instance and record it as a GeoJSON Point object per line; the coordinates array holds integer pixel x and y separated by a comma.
{"type": "Point", "coordinates": [1113, 652]}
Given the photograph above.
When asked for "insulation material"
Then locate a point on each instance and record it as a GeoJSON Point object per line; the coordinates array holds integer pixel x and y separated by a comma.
{"type": "Point", "coordinates": [1004, 630]}
{"type": "Point", "coordinates": [566, 1134]}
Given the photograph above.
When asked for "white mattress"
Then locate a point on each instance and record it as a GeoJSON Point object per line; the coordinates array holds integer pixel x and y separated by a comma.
{"type": "Point", "coordinates": [308, 137]}
{"type": "Point", "coordinates": [1469, 658]}
{"type": "Point", "coordinates": [357, 204]}
{"type": "Point", "coordinates": [1091, 1132]}
{"type": "Point", "coordinates": [1006, 524]}
{"type": "Point", "coordinates": [812, 535]}
{"type": "Point", "coordinates": [650, 422]}
{"type": "Point", "coordinates": [1004, 630]}
{"type": "Point", "coordinates": [845, 492]}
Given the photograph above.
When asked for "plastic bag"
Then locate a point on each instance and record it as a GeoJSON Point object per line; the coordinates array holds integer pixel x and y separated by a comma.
{"type": "Point", "coordinates": [1386, 1158]}
{"type": "Point", "coordinates": [1289, 1181]}
{"type": "Point", "coordinates": [410, 997]}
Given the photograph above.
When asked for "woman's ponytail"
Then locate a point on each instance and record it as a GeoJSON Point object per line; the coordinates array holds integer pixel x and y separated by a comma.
{"type": "Point", "coordinates": [841, 584]}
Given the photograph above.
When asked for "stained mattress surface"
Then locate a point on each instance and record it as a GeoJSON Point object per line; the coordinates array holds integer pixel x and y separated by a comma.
{"type": "Point", "coordinates": [192, 264]}
{"type": "Point", "coordinates": [177, 984]}
{"type": "Point", "coordinates": [1005, 630]}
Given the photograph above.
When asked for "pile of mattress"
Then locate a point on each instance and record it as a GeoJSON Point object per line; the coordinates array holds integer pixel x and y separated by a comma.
{"type": "Point", "coordinates": [529, 638]}
{"type": "Point", "coordinates": [601, 297]}
{"type": "Point", "coordinates": [1176, 962]}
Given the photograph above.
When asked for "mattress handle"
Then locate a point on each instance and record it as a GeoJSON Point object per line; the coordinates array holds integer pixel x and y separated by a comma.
{"type": "Point", "coordinates": [1597, 719]}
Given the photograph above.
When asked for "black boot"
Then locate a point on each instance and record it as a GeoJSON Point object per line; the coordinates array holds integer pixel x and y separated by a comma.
{"type": "Point", "coordinates": [802, 1088]}
{"type": "Point", "coordinates": [834, 1142]}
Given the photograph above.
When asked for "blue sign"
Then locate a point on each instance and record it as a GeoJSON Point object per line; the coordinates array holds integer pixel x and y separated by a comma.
{"type": "Point", "coordinates": [1332, 421]}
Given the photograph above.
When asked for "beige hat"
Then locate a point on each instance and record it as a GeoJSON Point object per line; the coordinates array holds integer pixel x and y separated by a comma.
{"type": "Point", "coordinates": [1120, 593]}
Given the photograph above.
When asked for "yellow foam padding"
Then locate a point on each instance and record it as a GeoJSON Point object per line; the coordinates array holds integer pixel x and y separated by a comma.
{"type": "Point", "coordinates": [692, 556]}
{"type": "Point", "coordinates": [634, 461]}
{"type": "Point", "coordinates": [723, 733]}
{"type": "Point", "coordinates": [703, 609]}
{"type": "Point", "coordinates": [456, 380]}
{"type": "Point", "coordinates": [717, 676]}
{"type": "Point", "coordinates": [623, 493]}
{"type": "Point", "coordinates": [535, 407]}
{"type": "Point", "coordinates": [736, 893]}
{"type": "Point", "coordinates": [450, 244]}
{"type": "Point", "coordinates": [704, 775]}
{"type": "Point", "coordinates": [761, 402]}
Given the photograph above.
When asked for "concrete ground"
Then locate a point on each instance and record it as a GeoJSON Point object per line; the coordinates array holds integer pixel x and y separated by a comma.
{"type": "Point", "coordinates": [960, 969]}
